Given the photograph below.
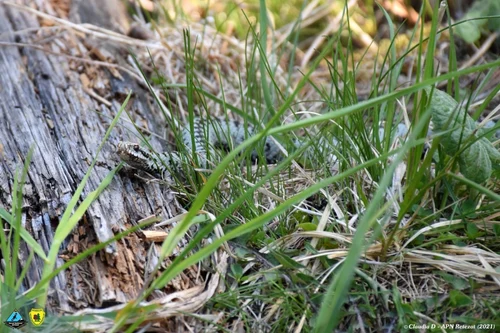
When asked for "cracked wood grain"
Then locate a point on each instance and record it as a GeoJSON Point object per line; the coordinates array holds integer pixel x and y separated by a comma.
{"type": "Point", "coordinates": [44, 103]}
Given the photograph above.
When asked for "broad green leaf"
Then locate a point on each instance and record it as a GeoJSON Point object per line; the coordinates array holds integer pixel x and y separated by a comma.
{"type": "Point", "coordinates": [457, 282]}
{"type": "Point", "coordinates": [479, 158]}
{"type": "Point", "coordinates": [470, 29]}
{"type": "Point", "coordinates": [459, 299]}
{"type": "Point", "coordinates": [475, 163]}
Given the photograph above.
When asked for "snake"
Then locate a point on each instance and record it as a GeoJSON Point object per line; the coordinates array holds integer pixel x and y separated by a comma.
{"type": "Point", "coordinates": [218, 132]}
{"type": "Point", "coordinates": [202, 138]}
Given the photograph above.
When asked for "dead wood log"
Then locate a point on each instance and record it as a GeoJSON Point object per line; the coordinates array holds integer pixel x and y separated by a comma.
{"type": "Point", "coordinates": [59, 93]}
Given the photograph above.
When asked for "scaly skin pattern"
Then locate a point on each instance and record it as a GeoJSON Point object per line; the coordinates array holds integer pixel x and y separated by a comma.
{"type": "Point", "coordinates": [206, 134]}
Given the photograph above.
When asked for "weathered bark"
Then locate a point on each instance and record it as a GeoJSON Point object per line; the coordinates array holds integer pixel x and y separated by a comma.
{"type": "Point", "coordinates": [45, 103]}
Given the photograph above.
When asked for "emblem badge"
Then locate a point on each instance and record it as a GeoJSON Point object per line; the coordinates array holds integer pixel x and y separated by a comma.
{"type": "Point", "coordinates": [37, 316]}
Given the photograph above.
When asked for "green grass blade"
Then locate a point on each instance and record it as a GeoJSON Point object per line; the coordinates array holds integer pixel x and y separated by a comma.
{"type": "Point", "coordinates": [25, 235]}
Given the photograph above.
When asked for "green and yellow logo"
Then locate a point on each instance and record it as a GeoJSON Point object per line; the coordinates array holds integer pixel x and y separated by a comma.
{"type": "Point", "coordinates": [37, 316]}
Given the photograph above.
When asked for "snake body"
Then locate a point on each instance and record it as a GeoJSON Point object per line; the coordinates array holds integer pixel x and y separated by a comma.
{"type": "Point", "coordinates": [203, 137]}
{"type": "Point", "coordinates": [218, 132]}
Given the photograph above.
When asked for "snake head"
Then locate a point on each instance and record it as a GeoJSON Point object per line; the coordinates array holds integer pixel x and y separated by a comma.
{"type": "Point", "coordinates": [138, 157]}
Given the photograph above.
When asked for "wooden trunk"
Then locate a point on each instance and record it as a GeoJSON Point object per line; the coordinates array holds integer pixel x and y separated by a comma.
{"type": "Point", "coordinates": [59, 90]}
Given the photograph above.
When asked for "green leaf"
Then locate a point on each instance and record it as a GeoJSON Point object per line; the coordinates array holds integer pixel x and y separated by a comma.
{"type": "Point", "coordinates": [308, 226]}
{"type": "Point", "coordinates": [237, 271]}
{"type": "Point", "coordinates": [468, 208]}
{"type": "Point", "coordinates": [470, 29]}
{"type": "Point", "coordinates": [457, 282]}
{"type": "Point", "coordinates": [459, 299]}
{"type": "Point", "coordinates": [478, 158]}
{"type": "Point", "coordinates": [396, 296]}
{"type": "Point", "coordinates": [496, 230]}
{"type": "Point", "coordinates": [432, 302]}
{"type": "Point", "coordinates": [494, 155]}
{"type": "Point", "coordinates": [475, 163]}
{"type": "Point", "coordinates": [472, 230]}
{"type": "Point", "coordinates": [286, 261]}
